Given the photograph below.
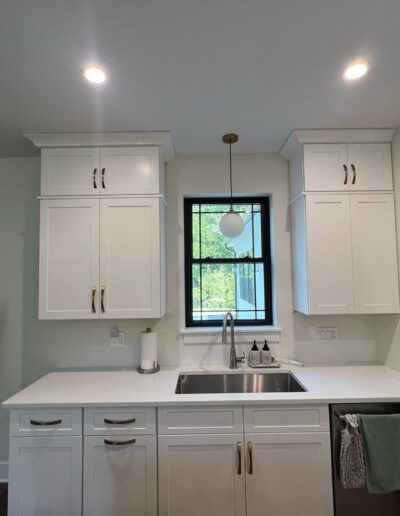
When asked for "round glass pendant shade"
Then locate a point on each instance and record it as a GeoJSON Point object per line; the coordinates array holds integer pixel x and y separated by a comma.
{"type": "Point", "coordinates": [231, 224]}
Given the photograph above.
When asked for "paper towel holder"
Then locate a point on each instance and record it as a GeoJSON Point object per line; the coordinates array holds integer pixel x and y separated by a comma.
{"type": "Point", "coordinates": [155, 367]}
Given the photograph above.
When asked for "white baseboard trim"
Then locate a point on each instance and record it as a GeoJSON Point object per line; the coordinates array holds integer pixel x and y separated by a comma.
{"type": "Point", "coordinates": [3, 472]}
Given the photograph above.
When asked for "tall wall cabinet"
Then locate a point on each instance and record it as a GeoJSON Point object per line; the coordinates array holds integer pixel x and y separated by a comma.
{"type": "Point", "coordinates": [102, 234]}
{"type": "Point", "coordinates": [343, 222]}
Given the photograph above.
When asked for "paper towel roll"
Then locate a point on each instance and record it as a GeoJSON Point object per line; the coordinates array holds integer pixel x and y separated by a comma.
{"type": "Point", "coordinates": [148, 350]}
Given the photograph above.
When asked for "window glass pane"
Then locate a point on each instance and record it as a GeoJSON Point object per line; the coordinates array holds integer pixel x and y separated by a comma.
{"type": "Point", "coordinates": [257, 235]}
{"type": "Point", "coordinates": [196, 235]}
{"type": "Point", "coordinates": [196, 292]}
{"type": "Point", "coordinates": [218, 287]}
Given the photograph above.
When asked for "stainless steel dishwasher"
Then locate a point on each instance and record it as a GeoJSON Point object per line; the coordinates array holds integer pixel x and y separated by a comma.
{"type": "Point", "coordinates": [351, 502]}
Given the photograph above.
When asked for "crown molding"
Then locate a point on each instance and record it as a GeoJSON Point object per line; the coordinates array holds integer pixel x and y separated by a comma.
{"type": "Point", "coordinates": [161, 139]}
{"type": "Point", "coordinates": [302, 136]}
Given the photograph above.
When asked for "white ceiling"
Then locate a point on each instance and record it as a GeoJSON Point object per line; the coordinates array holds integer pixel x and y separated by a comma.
{"type": "Point", "coordinates": [199, 68]}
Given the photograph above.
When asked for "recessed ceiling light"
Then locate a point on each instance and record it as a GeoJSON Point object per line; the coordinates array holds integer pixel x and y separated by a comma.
{"type": "Point", "coordinates": [94, 73]}
{"type": "Point", "coordinates": [356, 70]}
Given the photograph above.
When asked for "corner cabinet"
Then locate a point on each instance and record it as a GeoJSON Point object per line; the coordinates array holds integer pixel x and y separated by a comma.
{"type": "Point", "coordinates": [343, 222]}
{"type": "Point", "coordinates": [102, 241]}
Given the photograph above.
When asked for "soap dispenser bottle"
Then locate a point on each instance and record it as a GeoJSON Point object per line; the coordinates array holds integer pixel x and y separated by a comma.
{"type": "Point", "coordinates": [266, 355]}
{"type": "Point", "coordinates": [255, 357]}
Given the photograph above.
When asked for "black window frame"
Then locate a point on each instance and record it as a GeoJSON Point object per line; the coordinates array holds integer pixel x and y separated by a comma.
{"type": "Point", "coordinates": [264, 202]}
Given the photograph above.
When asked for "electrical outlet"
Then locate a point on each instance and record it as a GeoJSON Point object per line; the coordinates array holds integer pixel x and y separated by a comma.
{"type": "Point", "coordinates": [327, 333]}
{"type": "Point", "coordinates": [117, 339]}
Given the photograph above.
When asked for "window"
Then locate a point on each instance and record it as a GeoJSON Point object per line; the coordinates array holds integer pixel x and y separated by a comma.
{"type": "Point", "coordinates": [223, 274]}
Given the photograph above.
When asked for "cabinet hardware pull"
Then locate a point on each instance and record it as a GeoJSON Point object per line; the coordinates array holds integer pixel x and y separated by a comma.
{"type": "Point", "coordinates": [353, 168]}
{"type": "Point", "coordinates": [250, 450]}
{"type": "Point", "coordinates": [111, 442]}
{"type": "Point", "coordinates": [94, 300]}
{"type": "Point", "coordinates": [35, 422]}
{"type": "Point", "coordinates": [239, 457]}
{"type": "Point", "coordinates": [94, 178]}
{"type": "Point", "coordinates": [345, 174]}
{"type": "Point", "coordinates": [119, 421]}
{"type": "Point", "coordinates": [103, 183]}
{"type": "Point", "coordinates": [102, 299]}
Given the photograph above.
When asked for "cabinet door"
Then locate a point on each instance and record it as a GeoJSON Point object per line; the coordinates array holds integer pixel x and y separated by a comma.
{"type": "Point", "coordinates": [325, 168]}
{"type": "Point", "coordinates": [69, 259]}
{"type": "Point", "coordinates": [288, 474]}
{"type": "Point", "coordinates": [130, 258]}
{"type": "Point", "coordinates": [329, 256]}
{"type": "Point", "coordinates": [370, 165]}
{"type": "Point", "coordinates": [376, 287]}
{"type": "Point", "coordinates": [45, 476]}
{"type": "Point", "coordinates": [70, 171]}
{"type": "Point", "coordinates": [129, 170]}
{"type": "Point", "coordinates": [201, 475]}
{"type": "Point", "coordinates": [120, 479]}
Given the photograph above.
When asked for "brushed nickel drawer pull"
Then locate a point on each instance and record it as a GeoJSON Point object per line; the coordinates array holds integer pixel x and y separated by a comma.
{"type": "Point", "coordinates": [346, 175]}
{"type": "Point", "coordinates": [94, 178]}
{"type": "Point", "coordinates": [111, 442]}
{"type": "Point", "coordinates": [102, 299]}
{"type": "Point", "coordinates": [239, 457]}
{"type": "Point", "coordinates": [103, 183]}
{"type": "Point", "coordinates": [119, 421]}
{"type": "Point", "coordinates": [35, 422]}
{"type": "Point", "coordinates": [353, 168]}
{"type": "Point", "coordinates": [250, 450]}
{"type": "Point", "coordinates": [94, 300]}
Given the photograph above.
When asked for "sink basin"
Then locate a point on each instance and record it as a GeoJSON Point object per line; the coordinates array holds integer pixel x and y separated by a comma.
{"type": "Point", "coordinates": [237, 382]}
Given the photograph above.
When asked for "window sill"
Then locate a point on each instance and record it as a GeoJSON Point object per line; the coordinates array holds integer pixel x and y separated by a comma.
{"type": "Point", "coordinates": [243, 334]}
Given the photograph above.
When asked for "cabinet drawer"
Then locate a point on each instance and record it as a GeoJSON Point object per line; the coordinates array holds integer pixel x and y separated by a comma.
{"type": "Point", "coordinates": [200, 420]}
{"type": "Point", "coordinates": [119, 421]}
{"type": "Point", "coordinates": [41, 422]}
{"type": "Point", "coordinates": [305, 418]}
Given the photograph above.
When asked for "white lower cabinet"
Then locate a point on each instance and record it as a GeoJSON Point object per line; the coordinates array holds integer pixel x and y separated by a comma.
{"type": "Point", "coordinates": [45, 476]}
{"type": "Point", "coordinates": [120, 476]}
{"type": "Point", "coordinates": [288, 474]}
{"type": "Point", "coordinates": [201, 475]}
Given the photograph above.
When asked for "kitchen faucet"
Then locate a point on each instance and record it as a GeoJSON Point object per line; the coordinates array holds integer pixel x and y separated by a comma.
{"type": "Point", "coordinates": [233, 360]}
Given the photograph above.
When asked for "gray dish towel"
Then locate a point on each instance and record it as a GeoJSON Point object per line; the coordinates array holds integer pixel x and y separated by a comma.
{"type": "Point", "coordinates": [352, 463]}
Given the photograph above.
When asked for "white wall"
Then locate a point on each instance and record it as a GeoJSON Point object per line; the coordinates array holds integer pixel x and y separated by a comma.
{"type": "Point", "coordinates": [388, 327]}
{"type": "Point", "coordinates": [268, 174]}
{"type": "Point", "coordinates": [29, 348]}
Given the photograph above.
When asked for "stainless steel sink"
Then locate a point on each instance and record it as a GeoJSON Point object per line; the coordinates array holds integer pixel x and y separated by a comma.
{"type": "Point", "coordinates": [238, 382]}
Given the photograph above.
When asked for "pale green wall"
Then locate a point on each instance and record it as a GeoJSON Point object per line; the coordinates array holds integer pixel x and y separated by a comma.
{"type": "Point", "coordinates": [30, 348]}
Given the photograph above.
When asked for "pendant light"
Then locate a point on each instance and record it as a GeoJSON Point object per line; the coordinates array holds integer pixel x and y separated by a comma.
{"type": "Point", "coordinates": [231, 224]}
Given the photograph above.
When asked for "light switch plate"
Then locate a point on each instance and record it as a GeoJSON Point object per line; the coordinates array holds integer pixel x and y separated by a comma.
{"type": "Point", "coordinates": [118, 341]}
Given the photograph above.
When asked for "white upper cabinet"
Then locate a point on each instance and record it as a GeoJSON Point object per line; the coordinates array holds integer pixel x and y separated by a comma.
{"type": "Point", "coordinates": [130, 266]}
{"type": "Point", "coordinates": [101, 171]}
{"type": "Point", "coordinates": [69, 259]}
{"type": "Point", "coordinates": [130, 170]}
{"type": "Point", "coordinates": [370, 166]}
{"type": "Point", "coordinates": [329, 254]}
{"type": "Point", "coordinates": [374, 253]}
{"type": "Point", "coordinates": [340, 167]}
{"type": "Point", "coordinates": [70, 171]}
{"type": "Point", "coordinates": [325, 168]}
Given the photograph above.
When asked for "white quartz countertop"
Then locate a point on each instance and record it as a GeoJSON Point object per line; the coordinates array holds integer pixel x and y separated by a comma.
{"type": "Point", "coordinates": [345, 384]}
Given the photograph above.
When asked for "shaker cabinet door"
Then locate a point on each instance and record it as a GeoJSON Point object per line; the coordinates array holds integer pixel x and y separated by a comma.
{"type": "Point", "coordinates": [201, 475]}
{"type": "Point", "coordinates": [329, 255]}
{"type": "Point", "coordinates": [376, 287]}
{"type": "Point", "coordinates": [45, 476]}
{"type": "Point", "coordinates": [325, 168]}
{"type": "Point", "coordinates": [129, 170]}
{"type": "Point", "coordinates": [130, 268]}
{"type": "Point", "coordinates": [120, 476]}
{"type": "Point", "coordinates": [70, 171]}
{"type": "Point", "coordinates": [69, 259]}
{"type": "Point", "coordinates": [288, 474]}
{"type": "Point", "coordinates": [370, 165]}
